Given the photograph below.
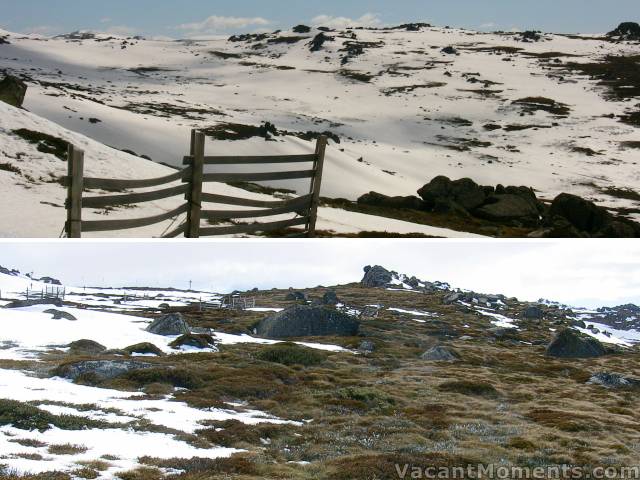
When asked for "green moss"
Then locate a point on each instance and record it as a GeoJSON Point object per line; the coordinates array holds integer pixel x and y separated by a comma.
{"type": "Point", "coordinates": [291, 354]}
{"type": "Point", "coordinates": [469, 387]}
{"type": "Point", "coordinates": [178, 377]}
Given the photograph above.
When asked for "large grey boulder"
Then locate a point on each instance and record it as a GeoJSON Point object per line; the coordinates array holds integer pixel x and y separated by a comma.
{"type": "Point", "coordinates": [170, 324]}
{"type": "Point", "coordinates": [307, 321]}
{"type": "Point", "coordinates": [376, 276]}
{"type": "Point", "coordinates": [569, 343]}
{"type": "Point", "coordinates": [509, 207]}
{"type": "Point", "coordinates": [100, 369]}
{"type": "Point", "coordinates": [12, 91]}
{"type": "Point", "coordinates": [440, 354]}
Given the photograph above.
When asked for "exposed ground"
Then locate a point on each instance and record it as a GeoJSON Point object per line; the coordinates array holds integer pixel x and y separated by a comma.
{"type": "Point", "coordinates": [502, 402]}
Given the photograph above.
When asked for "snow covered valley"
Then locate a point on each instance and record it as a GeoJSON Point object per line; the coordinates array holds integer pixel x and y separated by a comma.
{"type": "Point", "coordinates": [401, 106]}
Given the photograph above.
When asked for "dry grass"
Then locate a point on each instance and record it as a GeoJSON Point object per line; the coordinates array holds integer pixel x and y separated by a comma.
{"type": "Point", "coordinates": [503, 401]}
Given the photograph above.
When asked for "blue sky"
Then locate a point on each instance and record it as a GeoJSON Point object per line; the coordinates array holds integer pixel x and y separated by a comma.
{"type": "Point", "coordinates": [206, 17]}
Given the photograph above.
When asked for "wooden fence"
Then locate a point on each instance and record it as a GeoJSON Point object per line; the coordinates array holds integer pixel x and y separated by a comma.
{"type": "Point", "coordinates": [193, 177]}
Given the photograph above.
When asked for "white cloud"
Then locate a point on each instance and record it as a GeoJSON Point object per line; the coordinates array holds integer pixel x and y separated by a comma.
{"type": "Point", "coordinates": [487, 25]}
{"type": "Point", "coordinates": [589, 273]}
{"type": "Point", "coordinates": [121, 30]}
{"type": "Point", "coordinates": [105, 20]}
{"type": "Point", "coordinates": [215, 24]}
{"type": "Point", "coordinates": [366, 20]}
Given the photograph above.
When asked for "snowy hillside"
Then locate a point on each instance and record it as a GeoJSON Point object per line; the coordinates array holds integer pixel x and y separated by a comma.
{"type": "Point", "coordinates": [491, 106]}
{"type": "Point", "coordinates": [33, 198]}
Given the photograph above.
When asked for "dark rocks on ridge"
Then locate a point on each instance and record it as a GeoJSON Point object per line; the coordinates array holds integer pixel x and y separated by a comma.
{"type": "Point", "coordinates": [376, 276]}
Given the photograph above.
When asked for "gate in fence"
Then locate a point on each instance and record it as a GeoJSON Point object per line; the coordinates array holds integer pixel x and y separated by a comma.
{"type": "Point", "coordinates": [193, 177]}
{"type": "Point", "coordinates": [47, 292]}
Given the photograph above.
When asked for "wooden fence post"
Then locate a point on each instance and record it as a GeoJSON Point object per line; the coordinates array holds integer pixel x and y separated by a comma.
{"type": "Point", "coordinates": [75, 179]}
{"type": "Point", "coordinates": [316, 183]}
{"type": "Point", "coordinates": [195, 191]}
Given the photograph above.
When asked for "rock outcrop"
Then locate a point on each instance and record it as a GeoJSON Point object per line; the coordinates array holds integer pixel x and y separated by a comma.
{"type": "Point", "coordinates": [570, 343]}
{"type": "Point", "coordinates": [307, 321]}
{"type": "Point", "coordinates": [626, 31]}
{"type": "Point", "coordinates": [376, 276]}
{"type": "Point", "coordinates": [440, 354]}
{"type": "Point", "coordinates": [12, 91]}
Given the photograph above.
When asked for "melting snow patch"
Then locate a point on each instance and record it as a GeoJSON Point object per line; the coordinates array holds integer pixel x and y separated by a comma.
{"type": "Point", "coordinates": [499, 320]}
{"type": "Point", "coordinates": [413, 312]}
{"type": "Point", "coordinates": [606, 334]}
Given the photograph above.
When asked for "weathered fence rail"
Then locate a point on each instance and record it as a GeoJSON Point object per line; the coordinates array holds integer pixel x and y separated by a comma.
{"type": "Point", "coordinates": [193, 177]}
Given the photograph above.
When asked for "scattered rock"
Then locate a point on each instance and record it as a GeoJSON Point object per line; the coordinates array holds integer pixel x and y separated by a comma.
{"type": "Point", "coordinates": [531, 36]}
{"type": "Point", "coordinates": [613, 380]}
{"type": "Point", "coordinates": [569, 343]}
{"type": "Point", "coordinates": [318, 41]}
{"type": "Point", "coordinates": [301, 29]}
{"type": "Point", "coordinates": [307, 321]}
{"type": "Point", "coordinates": [464, 192]}
{"type": "Point", "coordinates": [330, 297]}
{"type": "Point", "coordinates": [533, 313]}
{"type": "Point", "coordinates": [376, 199]}
{"type": "Point", "coordinates": [452, 298]}
{"type": "Point", "coordinates": [170, 324]}
{"type": "Point", "coordinates": [376, 276]}
{"type": "Point", "coordinates": [449, 50]}
{"type": "Point", "coordinates": [201, 340]}
{"type": "Point", "coordinates": [508, 207]}
{"type": "Point", "coordinates": [144, 348]}
{"type": "Point", "coordinates": [366, 346]}
{"type": "Point", "coordinates": [86, 347]}
{"type": "Point", "coordinates": [440, 354]}
{"type": "Point", "coordinates": [60, 315]}
{"type": "Point", "coordinates": [29, 303]}
{"type": "Point", "coordinates": [296, 296]}
{"type": "Point", "coordinates": [99, 369]}
{"type": "Point", "coordinates": [12, 91]}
